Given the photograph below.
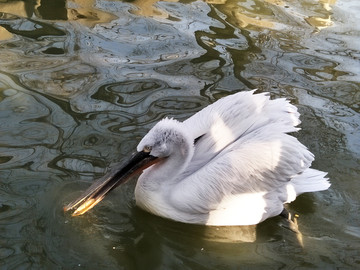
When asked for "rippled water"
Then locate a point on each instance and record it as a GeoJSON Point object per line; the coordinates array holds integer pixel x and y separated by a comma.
{"type": "Point", "coordinates": [81, 82]}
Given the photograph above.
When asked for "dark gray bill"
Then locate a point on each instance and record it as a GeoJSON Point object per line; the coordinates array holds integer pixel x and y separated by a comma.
{"type": "Point", "coordinates": [97, 191]}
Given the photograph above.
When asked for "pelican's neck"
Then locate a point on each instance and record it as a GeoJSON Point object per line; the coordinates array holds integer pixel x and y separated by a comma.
{"type": "Point", "coordinates": [166, 171]}
{"type": "Point", "coordinates": [156, 182]}
{"type": "Point", "coordinates": [172, 142]}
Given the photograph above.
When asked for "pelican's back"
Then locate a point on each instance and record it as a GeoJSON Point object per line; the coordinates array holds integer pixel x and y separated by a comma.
{"type": "Point", "coordinates": [234, 117]}
{"type": "Point", "coordinates": [245, 165]}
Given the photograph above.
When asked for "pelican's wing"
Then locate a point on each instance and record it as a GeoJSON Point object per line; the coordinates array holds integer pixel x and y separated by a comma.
{"type": "Point", "coordinates": [245, 149]}
{"type": "Point", "coordinates": [259, 162]}
{"type": "Point", "coordinates": [234, 117]}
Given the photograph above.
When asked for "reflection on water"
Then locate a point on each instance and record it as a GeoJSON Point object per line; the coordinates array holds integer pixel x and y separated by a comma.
{"type": "Point", "coordinates": [76, 10]}
{"type": "Point", "coordinates": [82, 81]}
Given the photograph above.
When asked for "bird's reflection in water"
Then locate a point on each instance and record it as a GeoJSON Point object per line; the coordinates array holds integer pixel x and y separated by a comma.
{"type": "Point", "coordinates": [269, 230]}
{"type": "Point", "coordinates": [164, 241]}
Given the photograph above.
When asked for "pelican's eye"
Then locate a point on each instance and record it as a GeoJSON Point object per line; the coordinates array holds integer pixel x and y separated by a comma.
{"type": "Point", "coordinates": [147, 149]}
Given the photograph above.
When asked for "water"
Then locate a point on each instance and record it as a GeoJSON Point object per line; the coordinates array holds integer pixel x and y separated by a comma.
{"type": "Point", "coordinates": [82, 82]}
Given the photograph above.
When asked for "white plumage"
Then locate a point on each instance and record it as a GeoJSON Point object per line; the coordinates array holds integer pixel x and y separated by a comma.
{"type": "Point", "coordinates": [232, 163]}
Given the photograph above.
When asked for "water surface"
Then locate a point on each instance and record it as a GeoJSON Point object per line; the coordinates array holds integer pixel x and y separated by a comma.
{"type": "Point", "coordinates": [81, 82]}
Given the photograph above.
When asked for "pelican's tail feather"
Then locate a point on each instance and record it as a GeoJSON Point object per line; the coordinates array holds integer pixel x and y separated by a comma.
{"type": "Point", "coordinates": [310, 180]}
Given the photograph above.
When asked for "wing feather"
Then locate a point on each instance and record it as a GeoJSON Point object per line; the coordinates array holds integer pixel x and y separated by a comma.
{"type": "Point", "coordinates": [254, 154]}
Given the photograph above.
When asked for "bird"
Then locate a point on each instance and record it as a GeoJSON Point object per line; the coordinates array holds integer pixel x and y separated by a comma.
{"type": "Point", "coordinates": [232, 163]}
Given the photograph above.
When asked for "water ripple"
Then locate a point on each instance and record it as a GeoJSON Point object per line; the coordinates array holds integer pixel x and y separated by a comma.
{"type": "Point", "coordinates": [83, 93]}
{"type": "Point", "coordinates": [27, 127]}
{"type": "Point", "coordinates": [27, 27]}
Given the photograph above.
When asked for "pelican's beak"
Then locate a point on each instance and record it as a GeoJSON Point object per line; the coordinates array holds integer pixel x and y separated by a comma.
{"type": "Point", "coordinates": [97, 191]}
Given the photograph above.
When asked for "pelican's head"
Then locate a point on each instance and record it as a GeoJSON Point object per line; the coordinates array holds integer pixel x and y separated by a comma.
{"type": "Point", "coordinates": [166, 140]}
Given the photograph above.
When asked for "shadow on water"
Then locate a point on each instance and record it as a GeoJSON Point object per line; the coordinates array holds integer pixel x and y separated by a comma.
{"type": "Point", "coordinates": [164, 243]}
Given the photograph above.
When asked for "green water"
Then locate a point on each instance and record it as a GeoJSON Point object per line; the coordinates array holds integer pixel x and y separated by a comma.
{"type": "Point", "coordinates": [81, 82]}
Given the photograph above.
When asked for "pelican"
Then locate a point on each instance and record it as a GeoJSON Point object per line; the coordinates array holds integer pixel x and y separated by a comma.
{"type": "Point", "coordinates": [232, 163]}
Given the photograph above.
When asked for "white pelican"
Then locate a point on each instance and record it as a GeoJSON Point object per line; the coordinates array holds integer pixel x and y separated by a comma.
{"type": "Point", "coordinates": [232, 163]}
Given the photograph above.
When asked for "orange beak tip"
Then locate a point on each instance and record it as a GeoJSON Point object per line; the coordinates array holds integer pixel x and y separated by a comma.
{"type": "Point", "coordinates": [76, 214]}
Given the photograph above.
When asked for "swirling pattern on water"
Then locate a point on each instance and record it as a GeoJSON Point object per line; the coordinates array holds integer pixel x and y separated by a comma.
{"type": "Point", "coordinates": [81, 84]}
